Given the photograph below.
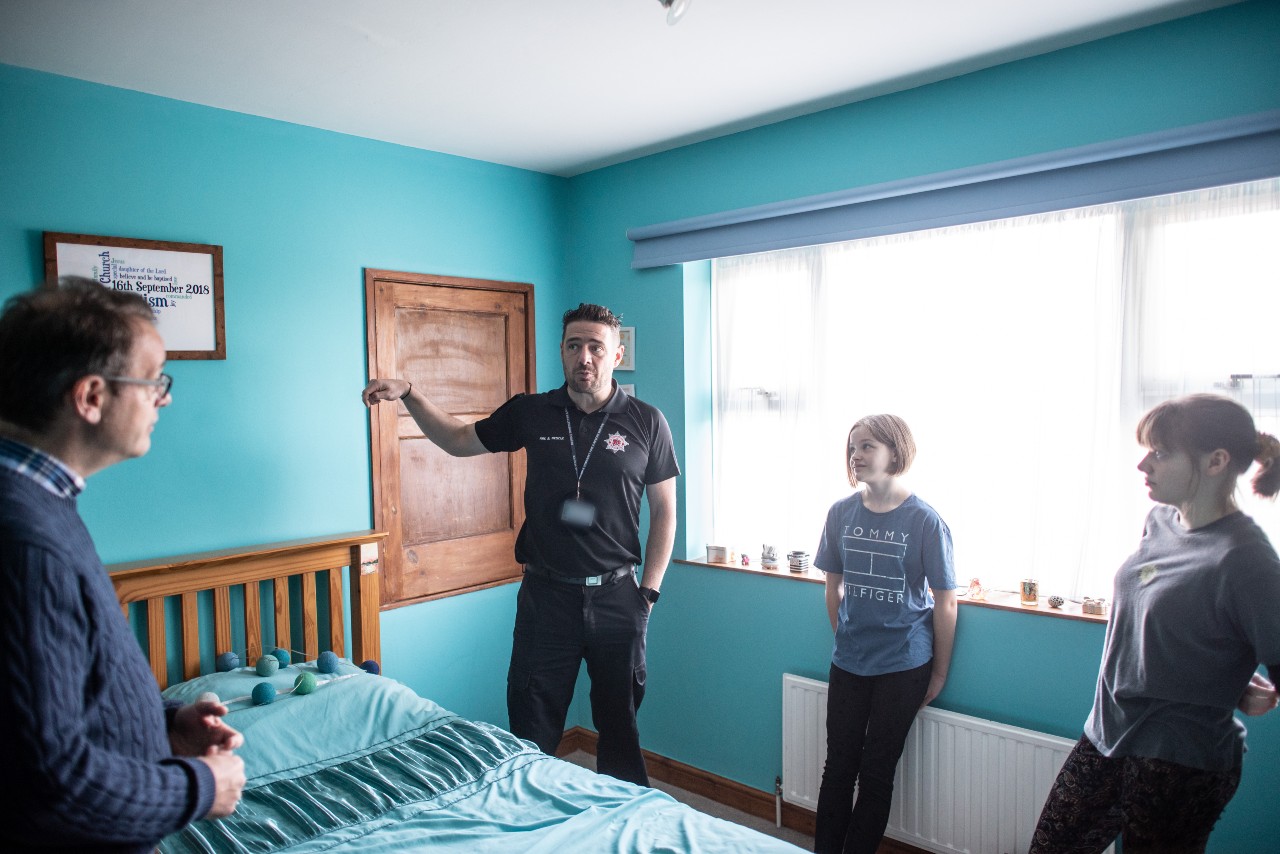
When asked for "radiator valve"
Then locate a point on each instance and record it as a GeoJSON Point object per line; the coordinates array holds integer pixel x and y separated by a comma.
{"type": "Point", "coordinates": [777, 800]}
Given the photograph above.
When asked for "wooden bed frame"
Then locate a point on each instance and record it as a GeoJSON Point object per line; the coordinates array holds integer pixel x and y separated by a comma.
{"type": "Point", "coordinates": [150, 582]}
{"type": "Point", "coordinates": [147, 584]}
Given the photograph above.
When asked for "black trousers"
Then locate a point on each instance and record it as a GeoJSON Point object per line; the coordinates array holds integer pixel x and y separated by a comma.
{"type": "Point", "coordinates": [868, 718]}
{"type": "Point", "coordinates": [559, 625]}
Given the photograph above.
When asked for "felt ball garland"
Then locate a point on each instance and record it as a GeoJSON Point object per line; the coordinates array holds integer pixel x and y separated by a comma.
{"type": "Point", "coordinates": [263, 693]}
{"type": "Point", "coordinates": [306, 682]}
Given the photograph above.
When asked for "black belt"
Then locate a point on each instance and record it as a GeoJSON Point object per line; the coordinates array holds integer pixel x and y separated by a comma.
{"type": "Point", "coordinates": [589, 581]}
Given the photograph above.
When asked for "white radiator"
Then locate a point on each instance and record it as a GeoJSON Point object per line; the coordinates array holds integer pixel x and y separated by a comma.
{"type": "Point", "coordinates": [964, 784]}
{"type": "Point", "coordinates": [804, 739]}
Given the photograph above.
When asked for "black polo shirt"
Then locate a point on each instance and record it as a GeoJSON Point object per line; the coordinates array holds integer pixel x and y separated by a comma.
{"type": "Point", "coordinates": [633, 449]}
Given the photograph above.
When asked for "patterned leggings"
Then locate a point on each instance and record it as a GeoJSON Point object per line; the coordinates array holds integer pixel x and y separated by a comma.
{"type": "Point", "coordinates": [1153, 805]}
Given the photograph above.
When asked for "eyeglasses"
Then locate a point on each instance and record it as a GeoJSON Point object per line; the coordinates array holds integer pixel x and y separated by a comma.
{"type": "Point", "coordinates": [162, 385]}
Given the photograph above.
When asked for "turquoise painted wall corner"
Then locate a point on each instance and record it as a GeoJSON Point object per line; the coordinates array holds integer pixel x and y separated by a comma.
{"type": "Point", "coordinates": [272, 443]}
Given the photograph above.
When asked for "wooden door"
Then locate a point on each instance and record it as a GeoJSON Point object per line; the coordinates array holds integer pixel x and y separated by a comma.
{"type": "Point", "coordinates": [468, 345]}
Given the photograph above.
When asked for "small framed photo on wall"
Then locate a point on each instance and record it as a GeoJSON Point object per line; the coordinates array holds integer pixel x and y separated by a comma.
{"type": "Point", "coordinates": [627, 337]}
{"type": "Point", "coordinates": [182, 282]}
{"type": "Point", "coordinates": [628, 388]}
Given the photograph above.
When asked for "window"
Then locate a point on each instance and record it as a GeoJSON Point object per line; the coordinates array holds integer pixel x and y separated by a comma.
{"type": "Point", "coordinates": [1021, 352]}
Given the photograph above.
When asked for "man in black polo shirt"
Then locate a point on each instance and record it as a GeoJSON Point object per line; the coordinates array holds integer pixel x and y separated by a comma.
{"type": "Point", "coordinates": [592, 452]}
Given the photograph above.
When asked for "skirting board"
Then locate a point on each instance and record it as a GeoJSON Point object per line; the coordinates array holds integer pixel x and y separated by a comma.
{"type": "Point", "coordinates": [728, 792]}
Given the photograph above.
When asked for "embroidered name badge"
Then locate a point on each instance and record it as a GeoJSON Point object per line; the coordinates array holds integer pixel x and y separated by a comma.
{"type": "Point", "coordinates": [615, 443]}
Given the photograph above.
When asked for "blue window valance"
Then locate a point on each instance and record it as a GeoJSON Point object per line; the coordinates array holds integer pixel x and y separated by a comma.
{"type": "Point", "coordinates": [1230, 151]}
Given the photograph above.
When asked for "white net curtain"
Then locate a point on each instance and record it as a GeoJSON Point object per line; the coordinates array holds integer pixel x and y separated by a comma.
{"type": "Point", "coordinates": [1021, 352]}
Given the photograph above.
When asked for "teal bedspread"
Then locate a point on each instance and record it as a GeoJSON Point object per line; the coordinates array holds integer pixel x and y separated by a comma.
{"type": "Point", "coordinates": [364, 764]}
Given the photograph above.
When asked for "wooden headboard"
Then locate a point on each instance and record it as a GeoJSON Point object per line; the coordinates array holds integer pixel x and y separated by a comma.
{"type": "Point", "coordinates": [185, 576]}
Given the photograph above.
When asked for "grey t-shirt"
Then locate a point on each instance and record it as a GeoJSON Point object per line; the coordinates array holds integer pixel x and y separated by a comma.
{"type": "Point", "coordinates": [1194, 614]}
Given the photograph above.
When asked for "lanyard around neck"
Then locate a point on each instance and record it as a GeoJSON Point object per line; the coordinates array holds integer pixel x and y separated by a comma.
{"type": "Point", "coordinates": [573, 449]}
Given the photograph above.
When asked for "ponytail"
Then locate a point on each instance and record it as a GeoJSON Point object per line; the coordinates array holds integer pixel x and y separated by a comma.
{"type": "Point", "coordinates": [1267, 480]}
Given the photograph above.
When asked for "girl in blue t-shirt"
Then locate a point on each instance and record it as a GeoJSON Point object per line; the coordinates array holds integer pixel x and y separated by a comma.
{"type": "Point", "coordinates": [883, 549]}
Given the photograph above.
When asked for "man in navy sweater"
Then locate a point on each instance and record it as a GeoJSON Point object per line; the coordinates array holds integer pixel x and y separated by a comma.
{"type": "Point", "coordinates": [92, 758]}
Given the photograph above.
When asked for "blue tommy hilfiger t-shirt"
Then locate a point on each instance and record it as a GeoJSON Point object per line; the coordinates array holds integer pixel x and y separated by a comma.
{"type": "Point", "coordinates": [889, 562]}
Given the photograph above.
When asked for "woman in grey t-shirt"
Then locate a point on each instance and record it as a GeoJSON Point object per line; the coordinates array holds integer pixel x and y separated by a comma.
{"type": "Point", "coordinates": [1193, 617]}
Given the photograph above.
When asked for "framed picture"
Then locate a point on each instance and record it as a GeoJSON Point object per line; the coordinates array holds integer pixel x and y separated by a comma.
{"type": "Point", "coordinates": [629, 388]}
{"type": "Point", "coordinates": [181, 281]}
{"type": "Point", "coordinates": [627, 337]}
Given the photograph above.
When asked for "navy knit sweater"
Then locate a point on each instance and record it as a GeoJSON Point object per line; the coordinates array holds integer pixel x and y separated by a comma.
{"type": "Point", "coordinates": [85, 761]}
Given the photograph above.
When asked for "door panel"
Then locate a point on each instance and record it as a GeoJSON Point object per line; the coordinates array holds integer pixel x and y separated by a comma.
{"type": "Point", "coordinates": [468, 345]}
{"type": "Point", "coordinates": [461, 354]}
{"type": "Point", "coordinates": [472, 505]}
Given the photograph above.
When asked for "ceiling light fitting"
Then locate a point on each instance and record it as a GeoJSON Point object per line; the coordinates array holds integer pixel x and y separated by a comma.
{"type": "Point", "coordinates": [675, 10]}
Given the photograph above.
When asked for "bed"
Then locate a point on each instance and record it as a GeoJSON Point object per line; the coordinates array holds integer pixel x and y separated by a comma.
{"type": "Point", "coordinates": [360, 762]}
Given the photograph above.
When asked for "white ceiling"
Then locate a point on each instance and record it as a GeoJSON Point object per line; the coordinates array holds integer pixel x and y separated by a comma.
{"type": "Point", "coordinates": [556, 86]}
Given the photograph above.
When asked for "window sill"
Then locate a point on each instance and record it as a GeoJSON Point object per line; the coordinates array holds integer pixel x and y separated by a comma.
{"type": "Point", "coordinates": [1004, 600]}
{"type": "Point", "coordinates": [998, 599]}
{"type": "Point", "coordinates": [816, 576]}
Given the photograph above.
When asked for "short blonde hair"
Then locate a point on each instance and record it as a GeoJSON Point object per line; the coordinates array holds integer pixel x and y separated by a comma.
{"type": "Point", "coordinates": [890, 431]}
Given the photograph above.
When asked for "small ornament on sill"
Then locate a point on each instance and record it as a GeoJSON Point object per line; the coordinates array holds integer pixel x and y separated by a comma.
{"type": "Point", "coordinates": [746, 559]}
{"type": "Point", "coordinates": [976, 592]}
{"type": "Point", "coordinates": [1097, 607]}
{"type": "Point", "coordinates": [769, 557]}
{"type": "Point", "coordinates": [798, 561]}
{"type": "Point", "coordinates": [1056, 601]}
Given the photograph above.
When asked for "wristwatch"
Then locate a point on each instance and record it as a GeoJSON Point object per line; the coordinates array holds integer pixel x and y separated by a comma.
{"type": "Point", "coordinates": [650, 594]}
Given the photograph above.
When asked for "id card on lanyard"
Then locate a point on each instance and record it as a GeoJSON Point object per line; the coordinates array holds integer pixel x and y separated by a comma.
{"type": "Point", "coordinates": [576, 513]}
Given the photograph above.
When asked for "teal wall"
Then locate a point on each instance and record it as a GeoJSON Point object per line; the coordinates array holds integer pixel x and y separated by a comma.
{"type": "Point", "coordinates": [273, 443]}
{"type": "Point", "coordinates": [720, 641]}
